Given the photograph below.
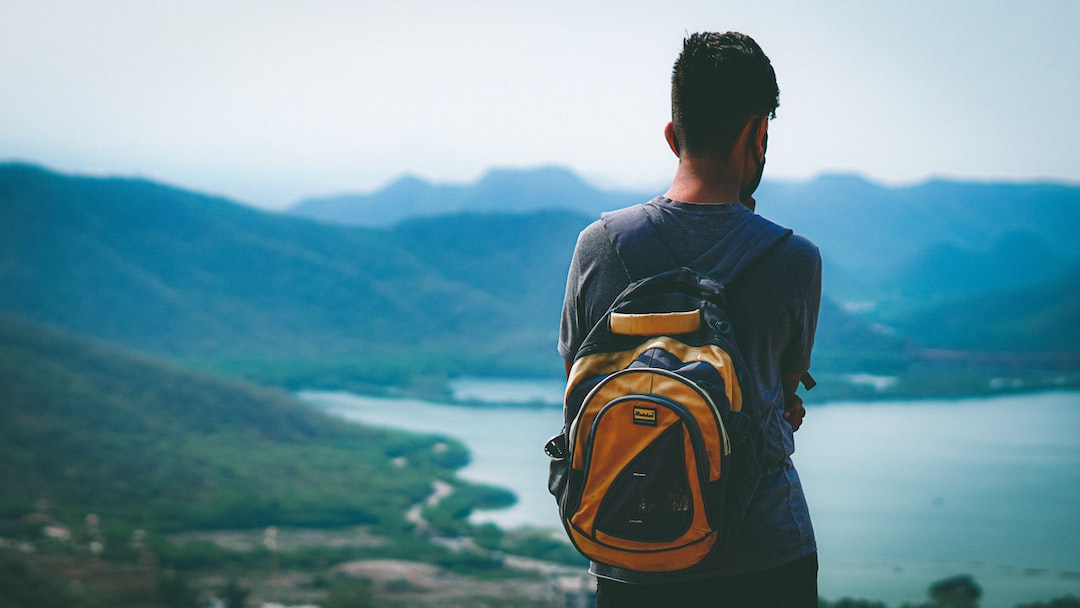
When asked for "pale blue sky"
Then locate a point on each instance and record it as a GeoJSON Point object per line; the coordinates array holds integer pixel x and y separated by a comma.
{"type": "Point", "coordinates": [268, 102]}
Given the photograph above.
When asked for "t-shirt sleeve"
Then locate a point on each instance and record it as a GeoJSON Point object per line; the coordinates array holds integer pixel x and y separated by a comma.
{"type": "Point", "coordinates": [570, 322]}
{"type": "Point", "coordinates": [796, 357]}
{"type": "Point", "coordinates": [596, 276]}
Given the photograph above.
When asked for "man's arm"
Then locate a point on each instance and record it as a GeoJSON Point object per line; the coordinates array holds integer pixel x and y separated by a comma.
{"type": "Point", "coordinates": [794, 411]}
{"type": "Point", "coordinates": [793, 405]}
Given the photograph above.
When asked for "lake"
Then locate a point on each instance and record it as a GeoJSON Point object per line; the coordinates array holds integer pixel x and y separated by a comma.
{"type": "Point", "coordinates": [901, 493]}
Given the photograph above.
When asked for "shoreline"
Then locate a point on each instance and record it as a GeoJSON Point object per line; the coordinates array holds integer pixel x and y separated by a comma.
{"type": "Point", "coordinates": [925, 540]}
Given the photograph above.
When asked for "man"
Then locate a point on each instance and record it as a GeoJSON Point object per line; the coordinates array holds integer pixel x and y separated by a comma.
{"type": "Point", "coordinates": [724, 92]}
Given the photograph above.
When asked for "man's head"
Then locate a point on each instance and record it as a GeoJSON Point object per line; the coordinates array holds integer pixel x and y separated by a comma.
{"type": "Point", "coordinates": [719, 82]}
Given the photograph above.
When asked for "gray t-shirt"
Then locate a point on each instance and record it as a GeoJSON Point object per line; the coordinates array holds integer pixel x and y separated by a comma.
{"type": "Point", "coordinates": [774, 307]}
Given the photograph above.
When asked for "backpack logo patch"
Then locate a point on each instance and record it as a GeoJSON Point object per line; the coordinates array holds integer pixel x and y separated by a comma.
{"type": "Point", "coordinates": [645, 415]}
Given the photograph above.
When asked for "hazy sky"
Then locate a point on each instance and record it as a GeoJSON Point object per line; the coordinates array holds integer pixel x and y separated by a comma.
{"type": "Point", "coordinates": [268, 102]}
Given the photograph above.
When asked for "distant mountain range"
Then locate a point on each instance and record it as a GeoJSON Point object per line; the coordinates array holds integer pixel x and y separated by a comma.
{"type": "Point", "coordinates": [475, 287]}
{"type": "Point", "coordinates": [860, 223]}
{"type": "Point", "coordinates": [946, 238]}
{"type": "Point", "coordinates": [498, 191]}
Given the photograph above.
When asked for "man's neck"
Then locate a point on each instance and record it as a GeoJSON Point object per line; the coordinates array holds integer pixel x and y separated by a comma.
{"type": "Point", "coordinates": [704, 182]}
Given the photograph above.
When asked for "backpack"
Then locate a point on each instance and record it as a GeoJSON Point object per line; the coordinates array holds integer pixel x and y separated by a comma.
{"type": "Point", "coordinates": [661, 446]}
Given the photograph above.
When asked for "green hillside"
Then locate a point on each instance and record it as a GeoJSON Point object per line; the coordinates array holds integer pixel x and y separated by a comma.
{"type": "Point", "coordinates": [186, 475]}
{"type": "Point", "coordinates": [91, 429]}
{"type": "Point", "coordinates": [295, 303]}
{"type": "Point", "coordinates": [517, 259]}
{"type": "Point", "coordinates": [1043, 318]}
{"type": "Point", "coordinates": [865, 227]}
{"type": "Point", "coordinates": [890, 250]}
{"type": "Point", "coordinates": [172, 271]}
{"type": "Point", "coordinates": [203, 279]}
{"type": "Point", "coordinates": [862, 227]}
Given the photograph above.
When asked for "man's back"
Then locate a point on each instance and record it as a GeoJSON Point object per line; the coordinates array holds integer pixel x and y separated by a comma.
{"type": "Point", "coordinates": [774, 308]}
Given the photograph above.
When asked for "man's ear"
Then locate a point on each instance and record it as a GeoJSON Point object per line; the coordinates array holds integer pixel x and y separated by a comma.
{"type": "Point", "coordinates": [761, 135]}
{"type": "Point", "coordinates": [672, 140]}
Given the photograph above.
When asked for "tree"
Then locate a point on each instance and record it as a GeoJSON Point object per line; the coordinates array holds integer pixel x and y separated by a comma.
{"type": "Point", "coordinates": [175, 592]}
{"type": "Point", "coordinates": [349, 593]}
{"type": "Point", "coordinates": [234, 595]}
{"type": "Point", "coordinates": [959, 591]}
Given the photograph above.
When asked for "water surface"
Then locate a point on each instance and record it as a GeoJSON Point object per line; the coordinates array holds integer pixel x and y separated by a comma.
{"type": "Point", "coordinates": [901, 493]}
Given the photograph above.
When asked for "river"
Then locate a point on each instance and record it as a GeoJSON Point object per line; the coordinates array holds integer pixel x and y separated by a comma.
{"type": "Point", "coordinates": [901, 493]}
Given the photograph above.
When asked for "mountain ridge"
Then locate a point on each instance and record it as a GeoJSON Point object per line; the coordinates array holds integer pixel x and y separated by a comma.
{"type": "Point", "coordinates": [861, 225]}
{"type": "Point", "coordinates": [301, 303]}
{"type": "Point", "coordinates": [185, 275]}
{"type": "Point", "coordinates": [497, 190]}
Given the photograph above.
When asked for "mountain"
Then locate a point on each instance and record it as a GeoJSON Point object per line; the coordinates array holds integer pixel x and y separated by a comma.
{"type": "Point", "coordinates": [500, 190]}
{"type": "Point", "coordinates": [191, 276]}
{"type": "Point", "coordinates": [1017, 259]}
{"type": "Point", "coordinates": [518, 259]}
{"type": "Point", "coordinates": [872, 236]}
{"type": "Point", "coordinates": [196, 277]}
{"type": "Point", "coordinates": [1042, 318]}
{"type": "Point", "coordinates": [862, 226]}
{"type": "Point", "coordinates": [144, 264]}
{"type": "Point", "coordinates": [89, 428]}
{"type": "Point", "coordinates": [294, 302]}
{"type": "Point", "coordinates": [859, 224]}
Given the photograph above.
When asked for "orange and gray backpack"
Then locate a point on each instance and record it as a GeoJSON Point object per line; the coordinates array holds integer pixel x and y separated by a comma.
{"type": "Point", "coordinates": [661, 445]}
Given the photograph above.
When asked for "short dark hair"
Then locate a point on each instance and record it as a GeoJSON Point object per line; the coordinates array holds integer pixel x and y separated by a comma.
{"type": "Point", "coordinates": [718, 83]}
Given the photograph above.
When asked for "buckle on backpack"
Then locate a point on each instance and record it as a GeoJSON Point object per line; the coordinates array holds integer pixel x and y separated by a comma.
{"type": "Point", "coordinates": [556, 447]}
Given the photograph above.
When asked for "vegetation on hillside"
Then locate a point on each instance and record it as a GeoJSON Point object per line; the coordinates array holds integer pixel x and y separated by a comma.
{"type": "Point", "coordinates": [92, 429]}
{"type": "Point", "coordinates": [289, 302]}
{"type": "Point", "coordinates": [115, 465]}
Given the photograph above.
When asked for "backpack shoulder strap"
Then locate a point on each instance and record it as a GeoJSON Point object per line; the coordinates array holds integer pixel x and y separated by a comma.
{"type": "Point", "coordinates": [644, 253]}
{"type": "Point", "coordinates": [744, 244]}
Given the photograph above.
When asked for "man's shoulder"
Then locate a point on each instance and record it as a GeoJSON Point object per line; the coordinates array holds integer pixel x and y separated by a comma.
{"type": "Point", "coordinates": [629, 218]}
{"type": "Point", "coordinates": [597, 236]}
{"type": "Point", "coordinates": [801, 246]}
{"type": "Point", "coordinates": [795, 255]}
{"type": "Point", "coordinates": [795, 244]}
{"type": "Point", "coordinates": [593, 237]}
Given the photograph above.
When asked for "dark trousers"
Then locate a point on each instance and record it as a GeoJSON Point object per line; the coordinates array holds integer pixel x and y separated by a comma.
{"type": "Point", "coordinates": [792, 585]}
